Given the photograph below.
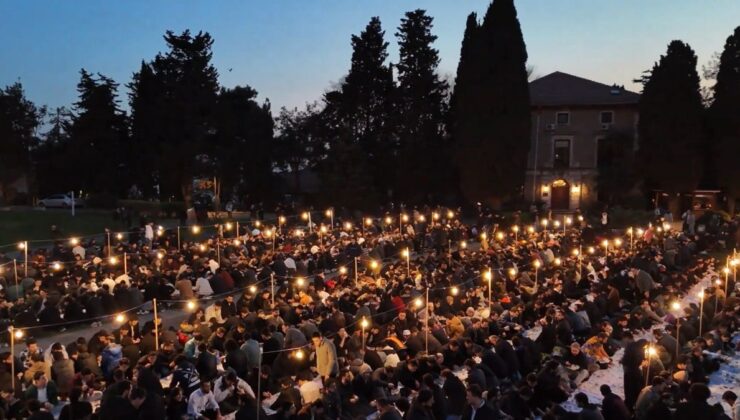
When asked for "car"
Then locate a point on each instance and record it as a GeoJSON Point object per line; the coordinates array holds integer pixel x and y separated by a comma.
{"type": "Point", "coordinates": [59, 201]}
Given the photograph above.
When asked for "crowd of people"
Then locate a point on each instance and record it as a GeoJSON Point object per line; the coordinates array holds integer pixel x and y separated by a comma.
{"type": "Point", "coordinates": [413, 316]}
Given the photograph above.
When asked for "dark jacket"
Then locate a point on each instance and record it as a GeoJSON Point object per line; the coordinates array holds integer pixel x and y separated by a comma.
{"type": "Point", "coordinates": [613, 408]}
{"type": "Point", "coordinates": [51, 393]}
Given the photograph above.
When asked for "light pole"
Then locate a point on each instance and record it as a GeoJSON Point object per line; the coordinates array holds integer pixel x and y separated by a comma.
{"type": "Point", "coordinates": [701, 311]}
{"type": "Point", "coordinates": [14, 334]}
{"type": "Point", "coordinates": [676, 307]}
{"type": "Point", "coordinates": [364, 324]}
{"type": "Point", "coordinates": [330, 215]}
{"type": "Point", "coordinates": [407, 255]}
{"type": "Point", "coordinates": [24, 247]}
{"type": "Point", "coordinates": [489, 278]}
{"type": "Point", "coordinates": [649, 353]}
{"type": "Point", "coordinates": [357, 281]}
{"type": "Point", "coordinates": [536, 265]}
{"type": "Point", "coordinates": [515, 229]}
{"type": "Point", "coordinates": [307, 216]}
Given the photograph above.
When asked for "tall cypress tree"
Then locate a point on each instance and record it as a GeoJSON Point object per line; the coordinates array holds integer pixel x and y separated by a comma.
{"type": "Point", "coordinates": [421, 109]}
{"type": "Point", "coordinates": [367, 102]}
{"type": "Point", "coordinates": [671, 126]}
{"type": "Point", "coordinates": [492, 125]}
{"type": "Point", "coordinates": [724, 121]}
{"type": "Point", "coordinates": [466, 78]}
{"type": "Point", "coordinates": [145, 100]}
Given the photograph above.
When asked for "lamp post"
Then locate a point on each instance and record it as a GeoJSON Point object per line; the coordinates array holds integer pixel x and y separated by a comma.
{"type": "Point", "coordinates": [374, 267]}
{"type": "Point", "coordinates": [401, 219]}
{"type": "Point", "coordinates": [536, 265]}
{"type": "Point", "coordinates": [24, 247]}
{"type": "Point", "coordinates": [14, 334]}
{"type": "Point", "coordinates": [364, 324]}
{"type": "Point", "coordinates": [330, 215]}
{"type": "Point", "coordinates": [489, 278]}
{"type": "Point", "coordinates": [649, 353]}
{"type": "Point", "coordinates": [544, 224]}
{"type": "Point", "coordinates": [272, 288]}
{"type": "Point", "coordinates": [701, 311]}
{"type": "Point", "coordinates": [426, 336]}
{"type": "Point", "coordinates": [357, 282]}
{"type": "Point", "coordinates": [676, 307]}
{"type": "Point", "coordinates": [107, 232]}
{"type": "Point", "coordinates": [156, 324]}
{"type": "Point", "coordinates": [632, 238]}
{"type": "Point", "coordinates": [577, 254]}
{"type": "Point", "coordinates": [515, 229]}
{"type": "Point", "coordinates": [307, 216]}
{"type": "Point", "coordinates": [567, 221]}
{"type": "Point", "coordinates": [281, 222]}
{"type": "Point", "coordinates": [407, 255]}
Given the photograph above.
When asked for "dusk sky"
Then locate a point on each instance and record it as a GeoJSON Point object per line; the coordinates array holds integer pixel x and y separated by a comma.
{"type": "Point", "coordinates": [291, 51]}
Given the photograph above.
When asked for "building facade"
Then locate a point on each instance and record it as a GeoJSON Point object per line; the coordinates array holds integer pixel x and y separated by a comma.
{"type": "Point", "coordinates": [572, 119]}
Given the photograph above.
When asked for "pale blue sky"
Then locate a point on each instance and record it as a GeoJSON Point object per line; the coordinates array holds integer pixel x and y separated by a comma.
{"type": "Point", "coordinates": [293, 50]}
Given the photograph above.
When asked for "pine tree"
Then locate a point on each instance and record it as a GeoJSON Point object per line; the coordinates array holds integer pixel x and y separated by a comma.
{"type": "Point", "coordinates": [46, 156]}
{"type": "Point", "coordinates": [671, 127]}
{"type": "Point", "coordinates": [493, 120]}
{"type": "Point", "coordinates": [243, 143]}
{"type": "Point", "coordinates": [145, 99]}
{"type": "Point", "coordinates": [466, 78]}
{"type": "Point", "coordinates": [723, 117]}
{"type": "Point", "coordinates": [97, 137]}
{"type": "Point", "coordinates": [367, 104]}
{"type": "Point", "coordinates": [19, 119]}
{"type": "Point", "coordinates": [190, 84]}
{"type": "Point", "coordinates": [426, 165]}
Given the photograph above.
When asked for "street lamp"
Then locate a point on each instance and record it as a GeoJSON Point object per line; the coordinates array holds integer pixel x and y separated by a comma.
{"type": "Point", "coordinates": [676, 306]}
{"type": "Point", "coordinates": [701, 311]}
{"type": "Point", "coordinates": [307, 216]}
{"type": "Point", "coordinates": [330, 215]}
{"type": "Point", "coordinates": [24, 247]}
{"type": "Point", "coordinates": [515, 229]}
{"type": "Point", "coordinates": [537, 264]}
{"type": "Point", "coordinates": [489, 278]}
{"type": "Point", "coordinates": [407, 254]}
{"type": "Point", "coordinates": [364, 324]}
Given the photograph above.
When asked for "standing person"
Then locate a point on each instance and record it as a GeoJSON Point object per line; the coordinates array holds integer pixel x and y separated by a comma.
{"type": "Point", "coordinates": [149, 233]}
{"type": "Point", "coordinates": [326, 356]}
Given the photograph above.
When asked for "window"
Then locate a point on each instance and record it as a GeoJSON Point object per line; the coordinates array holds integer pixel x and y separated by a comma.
{"type": "Point", "coordinates": [563, 118]}
{"type": "Point", "coordinates": [607, 117]}
{"type": "Point", "coordinates": [561, 154]}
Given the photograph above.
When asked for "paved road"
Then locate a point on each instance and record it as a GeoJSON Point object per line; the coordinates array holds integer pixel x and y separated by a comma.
{"type": "Point", "coordinates": [171, 317]}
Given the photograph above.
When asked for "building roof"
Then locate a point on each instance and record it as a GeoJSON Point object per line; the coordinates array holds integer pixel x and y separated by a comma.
{"type": "Point", "coordinates": [562, 89]}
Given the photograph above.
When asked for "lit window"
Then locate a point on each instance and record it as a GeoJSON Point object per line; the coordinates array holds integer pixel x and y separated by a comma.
{"type": "Point", "coordinates": [561, 154]}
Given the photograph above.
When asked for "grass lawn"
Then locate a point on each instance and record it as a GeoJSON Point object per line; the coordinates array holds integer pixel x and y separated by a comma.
{"type": "Point", "coordinates": [27, 224]}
